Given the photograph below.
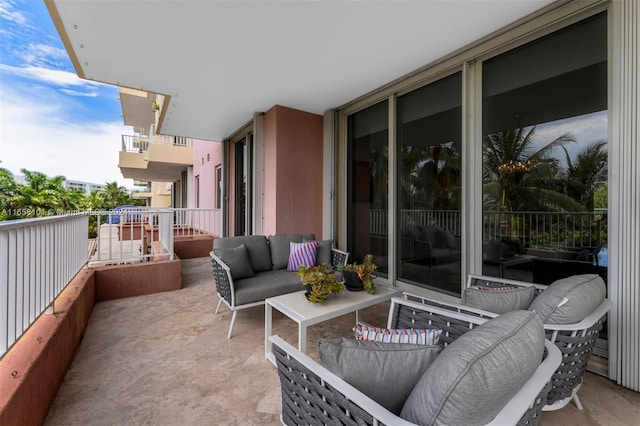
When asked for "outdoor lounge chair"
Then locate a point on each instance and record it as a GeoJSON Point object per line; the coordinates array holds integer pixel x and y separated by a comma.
{"type": "Point", "coordinates": [311, 394]}
{"type": "Point", "coordinates": [576, 340]}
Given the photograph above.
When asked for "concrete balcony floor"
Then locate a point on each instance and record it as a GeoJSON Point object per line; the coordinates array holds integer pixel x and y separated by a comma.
{"type": "Point", "coordinates": [164, 359]}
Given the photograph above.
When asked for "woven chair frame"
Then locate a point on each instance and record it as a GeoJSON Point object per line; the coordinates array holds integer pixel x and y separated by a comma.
{"type": "Point", "coordinates": [307, 399]}
{"type": "Point", "coordinates": [223, 284]}
{"type": "Point", "coordinates": [575, 344]}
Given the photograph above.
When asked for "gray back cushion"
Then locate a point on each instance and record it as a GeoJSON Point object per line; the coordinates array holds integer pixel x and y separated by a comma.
{"type": "Point", "coordinates": [476, 375]}
{"type": "Point", "coordinates": [570, 300]}
{"type": "Point", "coordinates": [237, 260]}
{"type": "Point", "coordinates": [499, 301]}
{"type": "Point", "coordinates": [257, 249]}
{"type": "Point", "coordinates": [279, 247]}
{"type": "Point", "coordinates": [323, 254]}
{"type": "Point", "coordinates": [385, 372]}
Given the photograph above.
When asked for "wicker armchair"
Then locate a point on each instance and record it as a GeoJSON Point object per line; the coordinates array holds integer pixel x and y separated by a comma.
{"type": "Point", "coordinates": [576, 341]}
{"type": "Point", "coordinates": [313, 395]}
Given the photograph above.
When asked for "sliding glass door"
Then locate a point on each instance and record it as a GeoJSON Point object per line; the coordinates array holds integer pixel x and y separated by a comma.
{"type": "Point", "coordinates": [368, 185]}
{"type": "Point", "coordinates": [545, 156]}
{"type": "Point", "coordinates": [534, 121]}
{"type": "Point", "coordinates": [429, 142]}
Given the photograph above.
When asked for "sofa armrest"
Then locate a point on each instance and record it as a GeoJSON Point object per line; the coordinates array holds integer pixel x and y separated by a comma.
{"type": "Point", "coordinates": [224, 282]}
{"type": "Point", "coordinates": [339, 258]}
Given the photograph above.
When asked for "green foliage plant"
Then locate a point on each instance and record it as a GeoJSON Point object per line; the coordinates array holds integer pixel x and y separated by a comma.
{"type": "Point", "coordinates": [321, 282]}
{"type": "Point", "coordinates": [365, 271]}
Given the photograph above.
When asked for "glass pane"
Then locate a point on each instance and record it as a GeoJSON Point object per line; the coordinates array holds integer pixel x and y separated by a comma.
{"type": "Point", "coordinates": [368, 181]}
{"type": "Point", "coordinates": [545, 156]}
{"type": "Point", "coordinates": [429, 183]}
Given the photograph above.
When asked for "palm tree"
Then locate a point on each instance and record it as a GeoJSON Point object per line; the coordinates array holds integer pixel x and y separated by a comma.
{"type": "Point", "coordinates": [41, 194]}
{"type": "Point", "coordinates": [8, 188]}
{"type": "Point", "coordinates": [114, 195]}
{"type": "Point", "coordinates": [517, 178]}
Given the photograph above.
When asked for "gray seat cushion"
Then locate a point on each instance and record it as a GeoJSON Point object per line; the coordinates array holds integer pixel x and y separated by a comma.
{"type": "Point", "coordinates": [385, 372]}
{"type": "Point", "coordinates": [257, 249]}
{"type": "Point", "coordinates": [570, 300]}
{"type": "Point", "coordinates": [279, 248]}
{"type": "Point", "coordinates": [499, 300]}
{"type": "Point", "coordinates": [266, 284]}
{"type": "Point", "coordinates": [476, 375]}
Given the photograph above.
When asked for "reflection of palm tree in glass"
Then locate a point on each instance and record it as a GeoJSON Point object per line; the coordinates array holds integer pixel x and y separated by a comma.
{"type": "Point", "coordinates": [517, 178]}
{"type": "Point", "coordinates": [430, 177]}
{"type": "Point", "coordinates": [585, 172]}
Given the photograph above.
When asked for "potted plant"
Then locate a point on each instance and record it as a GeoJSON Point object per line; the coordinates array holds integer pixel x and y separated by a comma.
{"type": "Point", "coordinates": [319, 283]}
{"type": "Point", "coordinates": [364, 272]}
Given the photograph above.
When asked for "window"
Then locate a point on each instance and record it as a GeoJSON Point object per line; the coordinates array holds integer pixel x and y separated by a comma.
{"type": "Point", "coordinates": [197, 191]}
{"type": "Point", "coordinates": [218, 187]}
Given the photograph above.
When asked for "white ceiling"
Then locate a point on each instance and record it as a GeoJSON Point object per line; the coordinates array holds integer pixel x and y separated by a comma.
{"type": "Point", "coordinates": [221, 61]}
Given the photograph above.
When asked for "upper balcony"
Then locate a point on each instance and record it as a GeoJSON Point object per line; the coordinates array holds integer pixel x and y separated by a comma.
{"type": "Point", "coordinates": [160, 159]}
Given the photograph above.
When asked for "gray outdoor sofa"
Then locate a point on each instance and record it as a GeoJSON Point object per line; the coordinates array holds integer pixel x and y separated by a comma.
{"type": "Point", "coordinates": [480, 372]}
{"type": "Point", "coordinates": [573, 310]}
{"type": "Point", "coordinates": [249, 269]}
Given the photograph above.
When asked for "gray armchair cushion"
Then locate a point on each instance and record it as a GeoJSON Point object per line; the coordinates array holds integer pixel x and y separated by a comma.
{"type": "Point", "coordinates": [279, 248]}
{"type": "Point", "coordinates": [498, 300]}
{"type": "Point", "coordinates": [386, 372]}
{"type": "Point", "coordinates": [237, 260]}
{"type": "Point", "coordinates": [570, 300]}
{"type": "Point", "coordinates": [257, 249]}
{"type": "Point", "coordinates": [477, 374]}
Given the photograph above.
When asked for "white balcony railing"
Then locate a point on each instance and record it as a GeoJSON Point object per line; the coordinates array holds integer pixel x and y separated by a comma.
{"type": "Point", "coordinates": [564, 230]}
{"type": "Point", "coordinates": [138, 234]}
{"type": "Point", "coordinates": [134, 143]}
{"type": "Point", "coordinates": [38, 258]}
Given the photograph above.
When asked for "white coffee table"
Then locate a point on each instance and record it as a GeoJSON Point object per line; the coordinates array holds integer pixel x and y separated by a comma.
{"type": "Point", "coordinates": [296, 307]}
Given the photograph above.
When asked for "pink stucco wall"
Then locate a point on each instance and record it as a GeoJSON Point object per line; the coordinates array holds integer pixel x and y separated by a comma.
{"type": "Point", "coordinates": [293, 171]}
{"type": "Point", "coordinates": [207, 156]}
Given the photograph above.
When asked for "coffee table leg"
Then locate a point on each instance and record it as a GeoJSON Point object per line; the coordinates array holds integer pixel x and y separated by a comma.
{"type": "Point", "coordinates": [302, 338]}
{"type": "Point", "coordinates": [267, 332]}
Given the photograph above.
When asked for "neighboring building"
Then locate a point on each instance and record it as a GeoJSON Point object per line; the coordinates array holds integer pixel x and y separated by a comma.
{"type": "Point", "coordinates": [155, 194]}
{"type": "Point", "coordinates": [84, 186]}
{"type": "Point", "coordinates": [381, 123]}
{"type": "Point", "coordinates": [170, 167]}
{"type": "Point", "coordinates": [75, 184]}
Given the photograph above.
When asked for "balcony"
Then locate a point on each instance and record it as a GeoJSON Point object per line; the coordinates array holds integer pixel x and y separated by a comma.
{"type": "Point", "coordinates": [176, 366]}
{"type": "Point", "coordinates": [159, 159]}
{"type": "Point", "coordinates": [163, 358]}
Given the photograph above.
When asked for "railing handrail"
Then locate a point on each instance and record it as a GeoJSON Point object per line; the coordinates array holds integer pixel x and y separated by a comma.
{"type": "Point", "coordinates": [23, 223]}
{"type": "Point", "coordinates": [38, 259]}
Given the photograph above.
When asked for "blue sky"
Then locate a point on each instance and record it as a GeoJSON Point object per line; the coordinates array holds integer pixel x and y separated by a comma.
{"type": "Point", "coordinates": [51, 121]}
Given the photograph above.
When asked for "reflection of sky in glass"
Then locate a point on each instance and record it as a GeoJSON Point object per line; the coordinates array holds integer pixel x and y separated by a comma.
{"type": "Point", "coordinates": [586, 129]}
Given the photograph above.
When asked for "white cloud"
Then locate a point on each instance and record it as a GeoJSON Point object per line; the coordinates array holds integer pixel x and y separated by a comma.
{"type": "Point", "coordinates": [7, 13]}
{"type": "Point", "coordinates": [46, 75]}
{"type": "Point", "coordinates": [41, 54]}
{"type": "Point", "coordinates": [34, 136]}
{"type": "Point", "coordinates": [77, 93]}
